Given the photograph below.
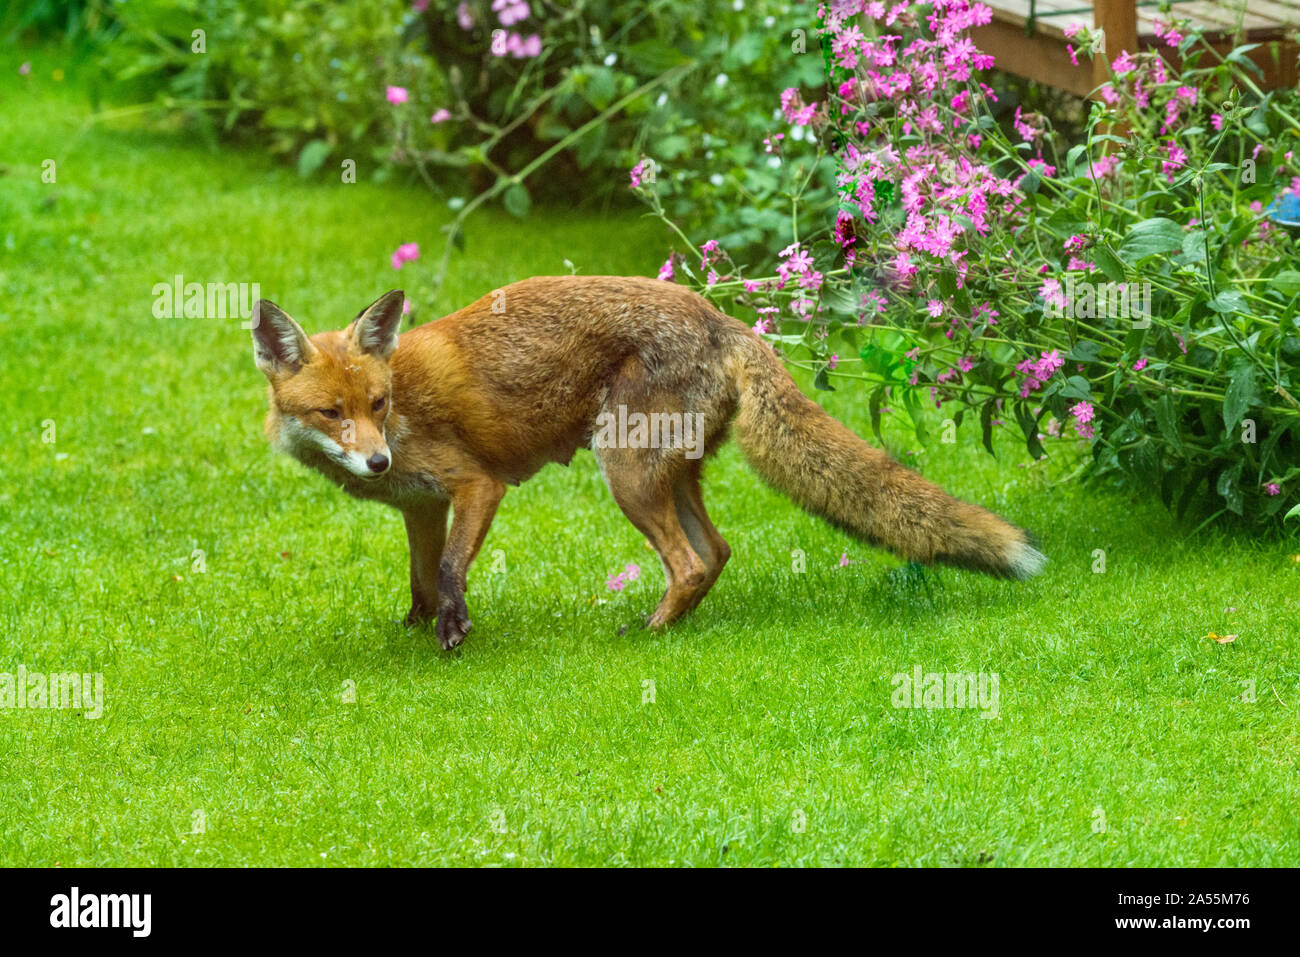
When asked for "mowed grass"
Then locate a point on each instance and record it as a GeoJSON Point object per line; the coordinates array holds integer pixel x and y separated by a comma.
{"type": "Point", "coordinates": [760, 731]}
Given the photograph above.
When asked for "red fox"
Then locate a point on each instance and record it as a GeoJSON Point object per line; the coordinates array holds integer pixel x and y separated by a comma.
{"type": "Point", "coordinates": [450, 413]}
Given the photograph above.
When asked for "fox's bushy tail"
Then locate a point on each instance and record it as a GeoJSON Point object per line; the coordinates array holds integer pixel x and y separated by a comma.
{"type": "Point", "coordinates": [824, 467]}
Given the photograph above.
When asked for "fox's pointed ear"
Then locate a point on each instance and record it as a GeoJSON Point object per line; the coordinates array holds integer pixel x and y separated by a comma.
{"type": "Point", "coordinates": [279, 344]}
{"type": "Point", "coordinates": [374, 331]}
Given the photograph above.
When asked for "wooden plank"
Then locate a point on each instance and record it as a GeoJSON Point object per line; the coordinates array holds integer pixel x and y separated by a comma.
{"type": "Point", "coordinates": [1043, 58]}
{"type": "Point", "coordinates": [1119, 19]}
{"type": "Point", "coordinates": [1039, 58]}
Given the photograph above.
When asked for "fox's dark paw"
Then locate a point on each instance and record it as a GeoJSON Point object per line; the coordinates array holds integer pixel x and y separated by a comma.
{"type": "Point", "coordinates": [453, 623]}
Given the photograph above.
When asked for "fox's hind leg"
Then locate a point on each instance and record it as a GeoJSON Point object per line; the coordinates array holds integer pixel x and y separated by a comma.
{"type": "Point", "coordinates": [647, 500]}
{"type": "Point", "coordinates": [700, 531]}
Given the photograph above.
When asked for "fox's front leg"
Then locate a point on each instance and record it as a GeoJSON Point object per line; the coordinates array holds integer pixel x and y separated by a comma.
{"type": "Point", "coordinates": [426, 533]}
{"type": "Point", "coordinates": [474, 504]}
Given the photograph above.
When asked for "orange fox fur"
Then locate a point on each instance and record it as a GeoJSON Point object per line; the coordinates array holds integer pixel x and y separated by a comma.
{"type": "Point", "coordinates": [452, 412]}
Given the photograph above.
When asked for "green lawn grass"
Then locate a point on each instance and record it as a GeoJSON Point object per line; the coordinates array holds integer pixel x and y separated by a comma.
{"type": "Point", "coordinates": [1122, 736]}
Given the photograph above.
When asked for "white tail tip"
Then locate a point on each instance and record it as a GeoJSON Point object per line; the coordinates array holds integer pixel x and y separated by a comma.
{"type": "Point", "coordinates": [1024, 561]}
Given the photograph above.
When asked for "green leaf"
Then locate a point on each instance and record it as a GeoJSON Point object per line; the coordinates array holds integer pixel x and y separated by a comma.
{"type": "Point", "coordinates": [876, 397]}
{"type": "Point", "coordinates": [1228, 301]}
{"type": "Point", "coordinates": [986, 426]}
{"type": "Point", "coordinates": [1105, 260]}
{"type": "Point", "coordinates": [1287, 282]}
{"type": "Point", "coordinates": [1257, 122]}
{"type": "Point", "coordinates": [654, 56]}
{"type": "Point", "coordinates": [1077, 387]}
{"type": "Point", "coordinates": [1242, 393]}
{"type": "Point", "coordinates": [1167, 421]}
{"type": "Point", "coordinates": [914, 412]}
{"type": "Point", "coordinates": [1294, 513]}
{"type": "Point", "coordinates": [822, 380]}
{"type": "Point", "coordinates": [1229, 486]}
{"type": "Point", "coordinates": [517, 201]}
{"type": "Point", "coordinates": [1029, 426]}
{"type": "Point", "coordinates": [1084, 350]}
{"type": "Point", "coordinates": [1150, 237]}
{"type": "Point", "coordinates": [312, 156]}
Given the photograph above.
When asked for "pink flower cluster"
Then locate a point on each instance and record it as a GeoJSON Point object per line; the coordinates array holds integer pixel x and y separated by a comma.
{"type": "Point", "coordinates": [1038, 371]}
{"type": "Point", "coordinates": [630, 573]}
{"type": "Point", "coordinates": [515, 45]}
{"type": "Point", "coordinates": [510, 12]}
{"type": "Point", "coordinates": [924, 87]}
{"type": "Point", "coordinates": [405, 253]}
{"type": "Point", "coordinates": [1082, 413]}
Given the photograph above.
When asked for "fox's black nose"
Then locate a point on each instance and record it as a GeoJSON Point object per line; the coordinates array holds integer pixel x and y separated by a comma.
{"type": "Point", "coordinates": [377, 462]}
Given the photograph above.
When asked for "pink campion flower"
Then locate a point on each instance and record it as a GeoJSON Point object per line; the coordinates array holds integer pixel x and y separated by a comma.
{"type": "Point", "coordinates": [966, 363]}
{"type": "Point", "coordinates": [1048, 363]}
{"type": "Point", "coordinates": [844, 560]}
{"type": "Point", "coordinates": [1074, 56]}
{"type": "Point", "coordinates": [440, 116]}
{"type": "Point", "coordinates": [1177, 159]}
{"type": "Point", "coordinates": [935, 308]}
{"type": "Point", "coordinates": [1072, 30]}
{"type": "Point", "coordinates": [465, 16]}
{"type": "Point", "coordinates": [25, 69]}
{"type": "Point", "coordinates": [1082, 413]}
{"type": "Point", "coordinates": [1140, 364]}
{"type": "Point", "coordinates": [791, 101]}
{"type": "Point", "coordinates": [419, 6]}
{"type": "Point", "coordinates": [833, 361]}
{"type": "Point", "coordinates": [772, 143]}
{"type": "Point", "coordinates": [406, 306]}
{"type": "Point", "coordinates": [1272, 488]}
{"type": "Point", "coordinates": [405, 253]}
{"type": "Point", "coordinates": [630, 573]}
{"type": "Point", "coordinates": [798, 260]}
{"type": "Point", "coordinates": [1028, 132]}
{"type": "Point", "coordinates": [1124, 63]}
{"type": "Point", "coordinates": [1077, 243]}
{"type": "Point", "coordinates": [666, 270]}
{"type": "Point", "coordinates": [1051, 292]}
{"type": "Point", "coordinates": [510, 12]}
{"type": "Point", "coordinates": [1171, 36]}
{"type": "Point", "coordinates": [1104, 166]}
{"type": "Point", "coordinates": [396, 94]}
{"type": "Point", "coordinates": [804, 116]}
{"type": "Point", "coordinates": [1216, 120]}
{"type": "Point", "coordinates": [637, 174]}
{"type": "Point", "coordinates": [1042, 167]}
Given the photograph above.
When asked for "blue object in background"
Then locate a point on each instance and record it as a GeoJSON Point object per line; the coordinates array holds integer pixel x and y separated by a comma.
{"type": "Point", "coordinates": [1285, 210]}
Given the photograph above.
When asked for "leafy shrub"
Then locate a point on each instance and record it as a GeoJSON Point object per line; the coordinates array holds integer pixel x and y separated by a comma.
{"type": "Point", "coordinates": [964, 265]}
{"type": "Point", "coordinates": [490, 99]}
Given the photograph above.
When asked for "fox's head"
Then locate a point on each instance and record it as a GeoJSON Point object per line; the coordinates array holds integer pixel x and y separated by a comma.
{"type": "Point", "coordinates": [330, 393]}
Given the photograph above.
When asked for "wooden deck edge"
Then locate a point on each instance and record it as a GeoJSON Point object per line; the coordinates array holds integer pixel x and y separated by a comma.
{"type": "Point", "coordinates": [1039, 58]}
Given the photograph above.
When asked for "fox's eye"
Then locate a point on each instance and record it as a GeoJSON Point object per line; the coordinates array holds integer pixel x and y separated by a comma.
{"type": "Point", "coordinates": [329, 413]}
{"type": "Point", "coordinates": [380, 403]}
